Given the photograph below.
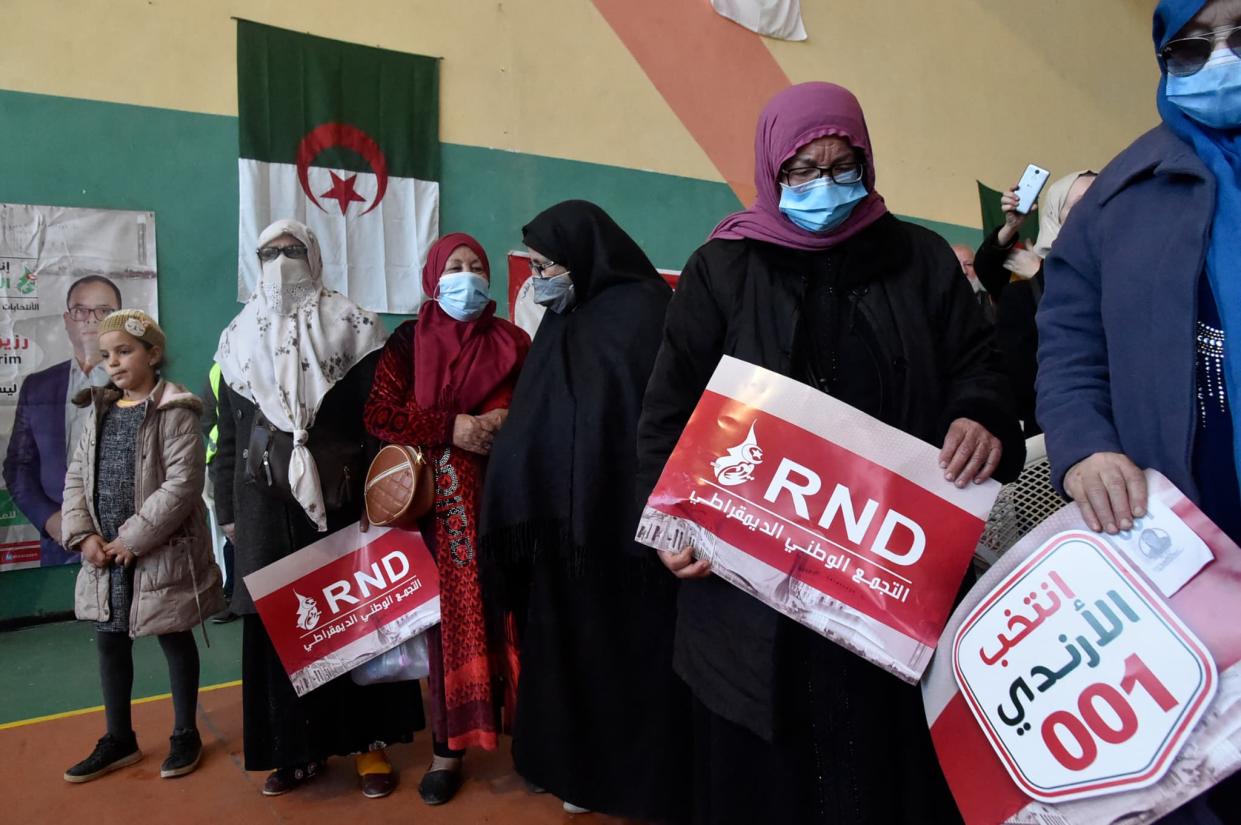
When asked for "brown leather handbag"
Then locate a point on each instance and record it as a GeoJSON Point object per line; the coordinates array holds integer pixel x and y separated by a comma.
{"type": "Point", "coordinates": [400, 487]}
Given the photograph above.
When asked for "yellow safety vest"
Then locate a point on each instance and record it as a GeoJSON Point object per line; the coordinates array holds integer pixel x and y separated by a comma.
{"type": "Point", "coordinates": [213, 437]}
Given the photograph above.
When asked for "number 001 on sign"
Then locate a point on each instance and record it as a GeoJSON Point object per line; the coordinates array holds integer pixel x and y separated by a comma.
{"type": "Point", "coordinates": [1083, 680]}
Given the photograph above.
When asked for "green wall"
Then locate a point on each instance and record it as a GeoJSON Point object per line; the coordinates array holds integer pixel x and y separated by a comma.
{"type": "Point", "coordinates": [183, 167]}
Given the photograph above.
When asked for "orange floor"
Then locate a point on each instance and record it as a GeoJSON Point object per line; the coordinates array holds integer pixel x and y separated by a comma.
{"type": "Point", "coordinates": [34, 756]}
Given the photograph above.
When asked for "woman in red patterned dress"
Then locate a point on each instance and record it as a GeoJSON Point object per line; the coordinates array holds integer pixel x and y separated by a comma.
{"type": "Point", "coordinates": [443, 384]}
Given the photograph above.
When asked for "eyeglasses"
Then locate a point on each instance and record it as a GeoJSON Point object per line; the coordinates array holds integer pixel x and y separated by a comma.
{"type": "Point", "coordinates": [81, 313]}
{"type": "Point", "coordinates": [296, 252]}
{"type": "Point", "coordinates": [539, 270]}
{"type": "Point", "coordinates": [1189, 54]}
{"type": "Point", "coordinates": [844, 172]}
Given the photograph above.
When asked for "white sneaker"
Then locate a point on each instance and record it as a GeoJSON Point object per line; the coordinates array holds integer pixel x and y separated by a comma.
{"type": "Point", "coordinates": [570, 808]}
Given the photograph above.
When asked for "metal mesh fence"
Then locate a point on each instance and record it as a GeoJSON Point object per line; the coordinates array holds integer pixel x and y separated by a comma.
{"type": "Point", "coordinates": [1020, 507]}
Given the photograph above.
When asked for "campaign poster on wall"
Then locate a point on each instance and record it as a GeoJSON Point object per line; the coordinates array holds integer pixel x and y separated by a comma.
{"type": "Point", "coordinates": [62, 270]}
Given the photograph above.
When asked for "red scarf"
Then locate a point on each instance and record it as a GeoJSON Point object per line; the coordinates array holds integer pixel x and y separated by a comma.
{"type": "Point", "coordinates": [459, 364]}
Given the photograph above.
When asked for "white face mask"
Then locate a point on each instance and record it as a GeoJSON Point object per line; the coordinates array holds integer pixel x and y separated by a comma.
{"type": "Point", "coordinates": [287, 284]}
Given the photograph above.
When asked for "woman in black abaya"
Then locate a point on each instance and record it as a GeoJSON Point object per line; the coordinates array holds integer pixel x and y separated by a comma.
{"type": "Point", "coordinates": [599, 711]}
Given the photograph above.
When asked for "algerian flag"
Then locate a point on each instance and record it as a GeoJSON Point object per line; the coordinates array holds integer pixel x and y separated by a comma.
{"type": "Point", "coordinates": [344, 138]}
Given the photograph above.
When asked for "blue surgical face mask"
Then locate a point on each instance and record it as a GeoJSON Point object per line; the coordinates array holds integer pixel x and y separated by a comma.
{"type": "Point", "coordinates": [820, 205]}
{"type": "Point", "coordinates": [1211, 95]}
{"type": "Point", "coordinates": [463, 295]}
{"type": "Point", "coordinates": [555, 293]}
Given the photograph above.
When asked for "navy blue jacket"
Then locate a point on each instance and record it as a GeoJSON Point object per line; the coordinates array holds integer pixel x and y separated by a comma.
{"type": "Point", "coordinates": [1116, 324]}
{"type": "Point", "coordinates": [35, 465]}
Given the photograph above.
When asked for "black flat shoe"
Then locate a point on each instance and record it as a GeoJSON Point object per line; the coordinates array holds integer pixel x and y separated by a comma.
{"type": "Point", "coordinates": [283, 780]}
{"type": "Point", "coordinates": [185, 751]}
{"type": "Point", "coordinates": [224, 617]}
{"type": "Point", "coordinates": [110, 754]}
{"type": "Point", "coordinates": [378, 785]}
{"type": "Point", "coordinates": [438, 787]}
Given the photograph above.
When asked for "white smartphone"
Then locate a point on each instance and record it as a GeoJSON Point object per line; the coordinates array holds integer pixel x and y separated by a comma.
{"type": "Point", "coordinates": [1032, 183]}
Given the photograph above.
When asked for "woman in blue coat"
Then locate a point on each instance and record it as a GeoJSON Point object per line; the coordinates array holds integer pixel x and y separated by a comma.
{"type": "Point", "coordinates": [1140, 325]}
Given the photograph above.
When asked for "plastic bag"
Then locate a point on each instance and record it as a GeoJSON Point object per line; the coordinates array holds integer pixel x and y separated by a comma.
{"type": "Point", "coordinates": [408, 661]}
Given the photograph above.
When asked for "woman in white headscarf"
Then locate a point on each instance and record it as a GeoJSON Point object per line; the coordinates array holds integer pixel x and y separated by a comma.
{"type": "Point", "coordinates": [1017, 302]}
{"type": "Point", "coordinates": [297, 364]}
{"type": "Point", "coordinates": [1060, 199]}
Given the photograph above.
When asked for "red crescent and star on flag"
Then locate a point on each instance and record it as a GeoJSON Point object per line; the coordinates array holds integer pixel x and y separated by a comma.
{"type": "Point", "coordinates": [328, 135]}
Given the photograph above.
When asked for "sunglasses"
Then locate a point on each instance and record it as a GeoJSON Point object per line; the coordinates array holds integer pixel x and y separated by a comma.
{"type": "Point", "coordinates": [1188, 55]}
{"type": "Point", "coordinates": [297, 252]}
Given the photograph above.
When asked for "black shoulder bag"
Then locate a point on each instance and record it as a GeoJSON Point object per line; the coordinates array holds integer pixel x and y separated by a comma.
{"type": "Point", "coordinates": [340, 464]}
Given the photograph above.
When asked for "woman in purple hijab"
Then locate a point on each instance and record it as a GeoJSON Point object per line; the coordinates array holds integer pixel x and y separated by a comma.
{"type": "Point", "coordinates": [819, 282]}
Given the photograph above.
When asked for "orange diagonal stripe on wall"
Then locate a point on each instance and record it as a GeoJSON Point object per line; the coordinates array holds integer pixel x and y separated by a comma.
{"type": "Point", "coordinates": [714, 74]}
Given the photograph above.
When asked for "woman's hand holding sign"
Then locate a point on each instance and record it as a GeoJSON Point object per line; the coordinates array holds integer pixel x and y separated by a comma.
{"type": "Point", "coordinates": [683, 564]}
{"type": "Point", "coordinates": [970, 453]}
{"type": "Point", "coordinates": [1110, 490]}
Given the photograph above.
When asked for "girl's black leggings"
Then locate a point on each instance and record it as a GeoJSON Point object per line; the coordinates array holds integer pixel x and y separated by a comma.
{"type": "Point", "coordinates": [116, 671]}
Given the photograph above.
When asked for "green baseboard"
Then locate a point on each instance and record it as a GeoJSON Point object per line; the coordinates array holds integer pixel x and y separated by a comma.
{"type": "Point", "coordinates": [37, 592]}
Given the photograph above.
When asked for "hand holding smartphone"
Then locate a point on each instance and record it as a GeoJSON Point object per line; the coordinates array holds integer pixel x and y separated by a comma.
{"type": "Point", "coordinates": [1028, 189]}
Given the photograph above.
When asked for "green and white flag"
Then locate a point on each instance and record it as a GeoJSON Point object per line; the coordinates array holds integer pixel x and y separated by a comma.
{"type": "Point", "coordinates": [344, 138]}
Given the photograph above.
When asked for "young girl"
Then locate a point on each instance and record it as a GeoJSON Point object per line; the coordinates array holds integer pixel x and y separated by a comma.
{"type": "Point", "coordinates": [134, 510]}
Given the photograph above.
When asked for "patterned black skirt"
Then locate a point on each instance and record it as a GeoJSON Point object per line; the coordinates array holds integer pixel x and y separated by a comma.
{"type": "Point", "coordinates": [120, 599]}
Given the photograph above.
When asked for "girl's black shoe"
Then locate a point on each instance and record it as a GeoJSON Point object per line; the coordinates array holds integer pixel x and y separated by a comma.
{"type": "Point", "coordinates": [183, 756]}
{"type": "Point", "coordinates": [110, 754]}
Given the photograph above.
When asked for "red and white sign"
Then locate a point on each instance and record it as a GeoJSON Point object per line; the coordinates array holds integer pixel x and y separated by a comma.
{"type": "Point", "coordinates": [522, 310]}
{"type": "Point", "coordinates": [1082, 678]}
{"type": "Point", "coordinates": [831, 517]}
{"type": "Point", "coordinates": [16, 555]}
{"type": "Point", "coordinates": [1069, 690]}
{"type": "Point", "coordinates": [344, 600]}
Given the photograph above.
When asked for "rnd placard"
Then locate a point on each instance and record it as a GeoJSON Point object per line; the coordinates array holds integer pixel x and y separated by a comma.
{"type": "Point", "coordinates": [344, 600]}
{"type": "Point", "coordinates": [831, 517]}
{"type": "Point", "coordinates": [1090, 679]}
{"type": "Point", "coordinates": [1083, 680]}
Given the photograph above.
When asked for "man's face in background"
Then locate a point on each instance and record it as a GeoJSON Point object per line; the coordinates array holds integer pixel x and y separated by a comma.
{"type": "Point", "coordinates": [89, 303]}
